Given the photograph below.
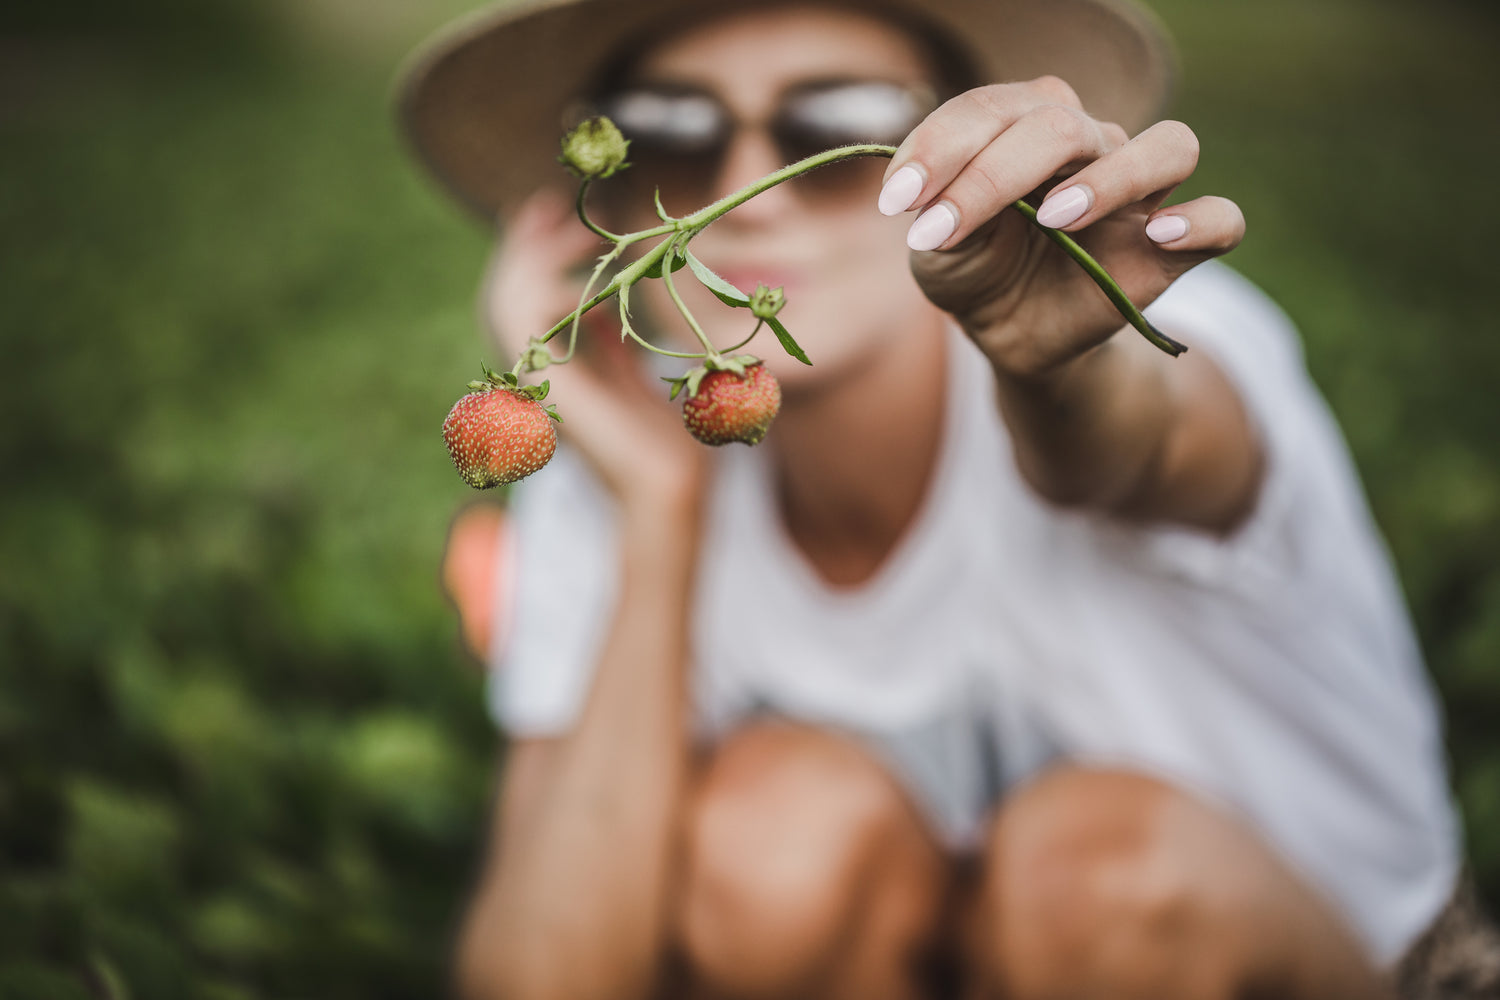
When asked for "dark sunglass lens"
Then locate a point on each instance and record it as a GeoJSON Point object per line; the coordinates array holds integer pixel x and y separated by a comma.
{"type": "Point", "coordinates": [677, 141]}
{"type": "Point", "coordinates": [665, 120]}
{"type": "Point", "coordinates": [842, 114]}
{"type": "Point", "coordinates": [831, 115]}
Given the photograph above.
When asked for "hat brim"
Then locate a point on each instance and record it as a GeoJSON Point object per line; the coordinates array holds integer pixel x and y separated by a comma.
{"type": "Point", "coordinates": [482, 102]}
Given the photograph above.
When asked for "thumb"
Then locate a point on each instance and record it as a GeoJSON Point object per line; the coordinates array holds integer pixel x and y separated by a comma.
{"type": "Point", "coordinates": [965, 278]}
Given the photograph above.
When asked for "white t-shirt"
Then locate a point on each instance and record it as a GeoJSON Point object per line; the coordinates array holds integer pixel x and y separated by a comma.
{"type": "Point", "coordinates": [1273, 673]}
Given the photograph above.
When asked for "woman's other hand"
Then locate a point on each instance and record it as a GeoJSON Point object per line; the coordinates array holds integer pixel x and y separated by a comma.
{"type": "Point", "coordinates": [612, 412]}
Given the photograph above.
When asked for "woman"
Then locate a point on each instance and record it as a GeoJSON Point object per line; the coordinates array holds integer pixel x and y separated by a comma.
{"type": "Point", "coordinates": [1020, 657]}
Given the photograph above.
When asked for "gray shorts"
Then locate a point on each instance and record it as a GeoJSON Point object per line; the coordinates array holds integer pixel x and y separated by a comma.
{"type": "Point", "coordinates": [953, 774]}
{"type": "Point", "coordinates": [954, 768]}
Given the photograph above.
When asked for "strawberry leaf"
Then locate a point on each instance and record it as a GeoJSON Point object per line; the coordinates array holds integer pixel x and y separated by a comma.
{"type": "Point", "coordinates": [677, 262]}
{"type": "Point", "coordinates": [727, 293]}
{"type": "Point", "coordinates": [787, 343]}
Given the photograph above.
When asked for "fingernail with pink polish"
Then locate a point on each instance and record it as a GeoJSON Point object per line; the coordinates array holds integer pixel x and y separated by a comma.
{"type": "Point", "coordinates": [900, 192]}
{"type": "Point", "coordinates": [1063, 208]}
{"type": "Point", "coordinates": [932, 227]}
{"type": "Point", "coordinates": [1166, 228]}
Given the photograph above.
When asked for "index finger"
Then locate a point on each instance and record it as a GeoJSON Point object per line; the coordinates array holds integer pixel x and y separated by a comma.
{"type": "Point", "coordinates": [936, 150]}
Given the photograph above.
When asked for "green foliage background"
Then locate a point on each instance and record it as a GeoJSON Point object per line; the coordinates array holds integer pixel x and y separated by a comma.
{"type": "Point", "coordinates": [240, 754]}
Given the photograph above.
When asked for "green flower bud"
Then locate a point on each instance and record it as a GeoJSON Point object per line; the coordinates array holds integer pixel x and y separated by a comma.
{"type": "Point", "coordinates": [766, 302]}
{"type": "Point", "coordinates": [595, 149]}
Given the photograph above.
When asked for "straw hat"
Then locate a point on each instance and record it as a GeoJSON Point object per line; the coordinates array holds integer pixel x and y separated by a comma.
{"type": "Point", "coordinates": [483, 101]}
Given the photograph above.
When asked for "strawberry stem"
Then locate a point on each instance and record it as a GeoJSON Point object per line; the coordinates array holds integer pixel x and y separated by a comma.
{"type": "Point", "coordinates": [759, 323]}
{"type": "Point", "coordinates": [676, 233]}
{"type": "Point", "coordinates": [1102, 278]}
{"type": "Point", "coordinates": [583, 214]}
{"type": "Point", "coordinates": [687, 314]}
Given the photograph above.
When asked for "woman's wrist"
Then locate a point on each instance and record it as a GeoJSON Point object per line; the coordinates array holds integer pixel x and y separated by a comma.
{"type": "Point", "coordinates": [1085, 429]}
{"type": "Point", "coordinates": [661, 511]}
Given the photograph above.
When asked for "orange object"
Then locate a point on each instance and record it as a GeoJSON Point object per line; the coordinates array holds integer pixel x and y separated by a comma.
{"type": "Point", "coordinates": [473, 564]}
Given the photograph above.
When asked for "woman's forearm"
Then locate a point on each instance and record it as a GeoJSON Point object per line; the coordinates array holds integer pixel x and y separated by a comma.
{"type": "Point", "coordinates": [1125, 430]}
{"type": "Point", "coordinates": [574, 900]}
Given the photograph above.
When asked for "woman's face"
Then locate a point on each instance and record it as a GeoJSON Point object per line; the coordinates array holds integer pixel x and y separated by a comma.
{"type": "Point", "coordinates": [843, 264]}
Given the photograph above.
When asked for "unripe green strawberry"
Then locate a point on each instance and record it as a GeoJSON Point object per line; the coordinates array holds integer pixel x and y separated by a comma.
{"type": "Point", "coordinates": [594, 149]}
{"type": "Point", "coordinates": [729, 407]}
{"type": "Point", "coordinates": [499, 435]}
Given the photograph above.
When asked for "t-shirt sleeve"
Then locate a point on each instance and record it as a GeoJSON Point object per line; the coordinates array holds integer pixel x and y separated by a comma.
{"type": "Point", "coordinates": [561, 590]}
{"type": "Point", "coordinates": [1216, 311]}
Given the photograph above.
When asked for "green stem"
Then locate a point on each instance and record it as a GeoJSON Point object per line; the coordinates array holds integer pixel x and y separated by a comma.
{"type": "Point", "coordinates": [692, 224]}
{"type": "Point", "coordinates": [660, 350]}
{"type": "Point", "coordinates": [625, 276]}
{"type": "Point", "coordinates": [701, 218]}
{"type": "Point", "coordinates": [583, 215]}
{"type": "Point", "coordinates": [682, 230]}
{"type": "Point", "coordinates": [1107, 284]}
{"type": "Point", "coordinates": [687, 314]}
{"type": "Point", "coordinates": [599, 269]}
{"type": "Point", "coordinates": [758, 324]}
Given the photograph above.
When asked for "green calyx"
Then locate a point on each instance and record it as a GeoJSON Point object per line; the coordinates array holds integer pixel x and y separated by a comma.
{"type": "Point", "coordinates": [691, 380]}
{"type": "Point", "coordinates": [536, 357]}
{"type": "Point", "coordinates": [509, 382]}
{"type": "Point", "coordinates": [766, 302]}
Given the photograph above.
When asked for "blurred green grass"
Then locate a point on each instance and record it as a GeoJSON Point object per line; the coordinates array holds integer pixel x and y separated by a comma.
{"type": "Point", "coordinates": [240, 755]}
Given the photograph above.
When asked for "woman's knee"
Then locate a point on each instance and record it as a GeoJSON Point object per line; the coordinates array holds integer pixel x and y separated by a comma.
{"type": "Point", "coordinates": [790, 833]}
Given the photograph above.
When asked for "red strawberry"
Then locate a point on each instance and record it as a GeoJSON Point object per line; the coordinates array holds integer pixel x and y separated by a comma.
{"type": "Point", "coordinates": [500, 434]}
{"type": "Point", "coordinates": [730, 407]}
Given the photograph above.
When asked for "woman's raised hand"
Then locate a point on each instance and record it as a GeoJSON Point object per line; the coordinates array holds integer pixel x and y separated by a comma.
{"type": "Point", "coordinates": [1022, 300]}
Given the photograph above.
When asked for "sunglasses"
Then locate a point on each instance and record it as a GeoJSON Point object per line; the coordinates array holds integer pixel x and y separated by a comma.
{"type": "Point", "coordinates": [680, 136]}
